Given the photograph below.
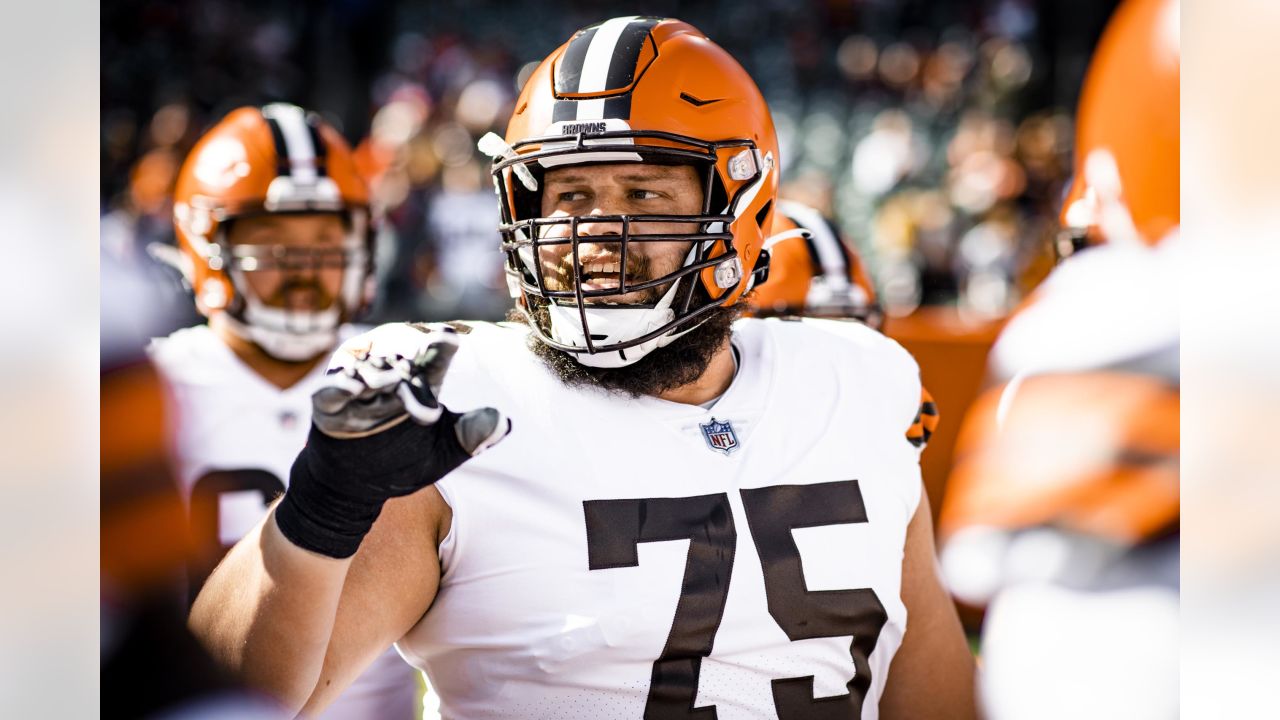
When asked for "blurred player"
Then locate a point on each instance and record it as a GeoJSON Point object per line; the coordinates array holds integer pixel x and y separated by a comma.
{"type": "Point", "coordinates": [813, 272]}
{"type": "Point", "coordinates": [691, 515]}
{"type": "Point", "coordinates": [273, 229]}
{"type": "Point", "coordinates": [151, 665]}
{"type": "Point", "coordinates": [1063, 509]}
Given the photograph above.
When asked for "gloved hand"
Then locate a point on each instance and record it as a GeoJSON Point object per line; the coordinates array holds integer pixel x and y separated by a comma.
{"type": "Point", "coordinates": [379, 432]}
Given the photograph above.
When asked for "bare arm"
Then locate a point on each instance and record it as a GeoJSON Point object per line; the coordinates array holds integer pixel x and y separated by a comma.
{"type": "Point", "coordinates": [267, 611]}
{"type": "Point", "coordinates": [932, 675]}
{"type": "Point", "coordinates": [302, 626]}
{"type": "Point", "coordinates": [346, 562]}
{"type": "Point", "coordinates": [389, 587]}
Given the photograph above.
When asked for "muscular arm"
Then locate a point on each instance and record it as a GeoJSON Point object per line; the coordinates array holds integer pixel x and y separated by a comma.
{"type": "Point", "coordinates": [302, 626]}
{"type": "Point", "coordinates": [932, 675]}
{"type": "Point", "coordinates": [391, 583]}
{"type": "Point", "coordinates": [346, 562]}
{"type": "Point", "coordinates": [267, 610]}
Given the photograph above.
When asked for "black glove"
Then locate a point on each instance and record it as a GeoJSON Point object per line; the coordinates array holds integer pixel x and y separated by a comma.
{"type": "Point", "coordinates": [378, 432]}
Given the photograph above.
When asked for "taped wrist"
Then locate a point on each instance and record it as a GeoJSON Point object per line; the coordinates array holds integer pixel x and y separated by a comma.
{"type": "Point", "coordinates": [337, 487]}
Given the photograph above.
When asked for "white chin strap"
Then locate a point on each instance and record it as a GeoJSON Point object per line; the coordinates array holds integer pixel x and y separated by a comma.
{"type": "Point", "coordinates": [291, 335]}
{"type": "Point", "coordinates": [612, 325]}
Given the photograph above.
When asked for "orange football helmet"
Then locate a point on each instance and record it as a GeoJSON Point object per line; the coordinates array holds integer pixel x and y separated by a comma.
{"type": "Point", "coordinates": [274, 159]}
{"type": "Point", "coordinates": [813, 272]}
{"type": "Point", "coordinates": [638, 89]}
{"type": "Point", "coordinates": [1094, 452]}
{"type": "Point", "coordinates": [1127, 126]}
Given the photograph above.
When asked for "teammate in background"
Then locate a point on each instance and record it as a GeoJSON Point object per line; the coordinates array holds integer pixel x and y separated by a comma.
{"type": "Point", "coordinates": [273, 230]}
{"type": "Point", "coordinates": [694, 515]}
{"type": "Point", "coordinates": [813, 272]}
{"type": "Point", "coordinates": [1062, 512]}
{"type": "Point", "coordinates": [150, 663]}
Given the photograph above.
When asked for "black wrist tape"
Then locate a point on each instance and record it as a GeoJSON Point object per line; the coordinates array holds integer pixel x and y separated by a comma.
{"type": "Point", "coordinates": [337, 487]}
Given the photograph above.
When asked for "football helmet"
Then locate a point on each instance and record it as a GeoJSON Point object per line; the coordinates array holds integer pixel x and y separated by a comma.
{"type": "Point", "coordinates": [1127, 127]}
{"type": "Point", "coordinates": [627, 90]}
{"type": "Point", "coordinates": [813, 272]}
{"type": "Point", "coordinates": [274, 159]}
{"type": "Point", "coordinates": [1095, 452]}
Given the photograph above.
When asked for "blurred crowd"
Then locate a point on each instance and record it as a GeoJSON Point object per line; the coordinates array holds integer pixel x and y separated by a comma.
{"type": "Point", "coordinates": [937, 136]}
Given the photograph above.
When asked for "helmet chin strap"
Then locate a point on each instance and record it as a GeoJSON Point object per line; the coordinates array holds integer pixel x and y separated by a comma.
{"type": "Point", "coordinates": [288, 335]}
{"type": "Point", "coordinates": [614, 324]}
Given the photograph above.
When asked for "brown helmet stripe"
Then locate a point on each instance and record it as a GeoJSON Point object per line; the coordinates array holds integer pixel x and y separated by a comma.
{"type": "Point", "coordinates": [626, 53]}
{"type": "Point", "coordinates": [298, 149]}
{"type": "Point", "coordinates": [578, 85]}
{"type": "Point", "coordinates": [282, 151]}
{"type": "Point", "coordinates": [569, 67]}
{"type": "Point", "coordinates": [317, 143]}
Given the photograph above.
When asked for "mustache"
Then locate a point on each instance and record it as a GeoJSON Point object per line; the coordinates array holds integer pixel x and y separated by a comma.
{"type": "Point", "coordinates": [280, 297]}
{"type": "Point", "coordinates": [637, 270]}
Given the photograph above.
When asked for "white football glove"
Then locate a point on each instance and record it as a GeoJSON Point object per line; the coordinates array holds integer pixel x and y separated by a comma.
{"type": "Point", "coordinates": [361, 452]}
{"type": "Point", "coordinates": [380, 378]}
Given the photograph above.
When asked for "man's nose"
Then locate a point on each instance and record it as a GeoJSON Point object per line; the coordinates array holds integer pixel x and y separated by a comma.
{"type": "Point", "coordinates": [592, 225]}
{"type": "Point", "coordinates": [594, 235]}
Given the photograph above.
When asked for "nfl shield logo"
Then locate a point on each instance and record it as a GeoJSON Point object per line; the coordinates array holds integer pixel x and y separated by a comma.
{"type": "Point", "coordinates": [720, 436]}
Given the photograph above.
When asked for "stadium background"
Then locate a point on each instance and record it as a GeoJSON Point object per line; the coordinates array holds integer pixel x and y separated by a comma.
{"type": "Point", "coordinates": [937, 135]}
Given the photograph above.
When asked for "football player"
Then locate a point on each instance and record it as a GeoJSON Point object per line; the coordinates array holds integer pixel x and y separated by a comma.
{"type": "Point", "coordinates": [813, 272]}
{"type": "Point", "coordinates": [273, 229]}
{"type": "Point", "coordinates": [648, 508]}
{"type": "Point", "coordinates": [1062, 512]}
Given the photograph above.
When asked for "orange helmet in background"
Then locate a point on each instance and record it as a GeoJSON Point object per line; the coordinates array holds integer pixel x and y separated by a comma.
{"type": "Point", "coordinates": [1059, 476]}
{"type": "Point", "coordinates": [1127, 125]}
{"type": "Point", "coordinates": [278, 159]}
{"type": "Point", "coordinates": [638, 89]}
{"type": "Point", "coordinates": [1093, 452]}
{"type": "Point", "coordinates": [813, 272]}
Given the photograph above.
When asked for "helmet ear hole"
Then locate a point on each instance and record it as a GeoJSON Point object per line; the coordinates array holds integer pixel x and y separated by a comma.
{"type": "Point", "coordinates": [528, 203]}
{"type": "Point", "coordinates": [718, 197]}
{"type": "Point", "coordinates": [763, 214]}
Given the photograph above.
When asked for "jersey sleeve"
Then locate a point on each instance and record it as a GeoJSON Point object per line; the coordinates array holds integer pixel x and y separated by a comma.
{"type": "Point", "coordinates": [925, 422]}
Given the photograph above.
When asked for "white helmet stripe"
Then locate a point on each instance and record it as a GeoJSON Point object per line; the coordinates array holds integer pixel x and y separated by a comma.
{"type": "Point", "coordinates": [825, 243]}
{"type": "Point", "coordinates": [297, 139]}
{"type": "Point", "coordinates": [595, 67]}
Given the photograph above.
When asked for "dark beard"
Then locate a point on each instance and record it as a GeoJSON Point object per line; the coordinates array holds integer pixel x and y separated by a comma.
{"type": "Point", "coordinates": [666, 368]}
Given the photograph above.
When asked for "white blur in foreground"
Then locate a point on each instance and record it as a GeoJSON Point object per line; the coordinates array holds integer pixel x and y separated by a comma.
{"type": "Point", "coordinates": [1049, 652]}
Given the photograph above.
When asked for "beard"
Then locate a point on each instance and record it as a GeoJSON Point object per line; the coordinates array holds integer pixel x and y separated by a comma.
{"type": "Point", "coordinates": [665, 368]}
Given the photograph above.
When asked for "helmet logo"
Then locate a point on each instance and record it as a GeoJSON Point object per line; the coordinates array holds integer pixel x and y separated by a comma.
{"type": "Point", "coordinates": [720, 436]}
{"type": "Point", "coordinates": [222, 163]}
{"type": "Point", "coordinates": [585, 128]}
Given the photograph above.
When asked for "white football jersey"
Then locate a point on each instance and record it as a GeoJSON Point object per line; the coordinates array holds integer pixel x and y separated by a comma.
{"type": "Point", "coordinates": [1101, 307]}
{"type": "Point", "coordinates": [233, 437]}
{"type": "Point", "coordinates": [627, 558]}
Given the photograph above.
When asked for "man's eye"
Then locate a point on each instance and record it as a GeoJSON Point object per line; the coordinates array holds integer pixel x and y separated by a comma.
{"type": "Point", "coordinates": [644, 195]}
{"type": "Point", "coordinates": [572, 196]}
